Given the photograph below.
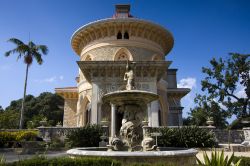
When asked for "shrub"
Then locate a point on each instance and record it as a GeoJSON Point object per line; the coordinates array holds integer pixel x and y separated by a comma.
{"type": "Point", "coordinates": [65, 161]}
{"type": "Point", "coordinates": [88, 136]}
{"type": "Point", "coordinates": [245, 161]}
{"type": "Point", "coordinates": [186, 137]}
{"type": "Point", "coordinates": [7, 138]}
{"type": "Point", "coordinates": [26, 135]}
{"type": "Point", "coordinates": [217, 159]}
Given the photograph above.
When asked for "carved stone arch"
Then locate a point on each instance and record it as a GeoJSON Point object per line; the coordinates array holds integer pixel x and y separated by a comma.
{"type": "Point", "coordinates": [157, 58]}
{"type": "Point", "coordinates": [86, 108]}
{"type": "Point", "coordinates": [123, 54]}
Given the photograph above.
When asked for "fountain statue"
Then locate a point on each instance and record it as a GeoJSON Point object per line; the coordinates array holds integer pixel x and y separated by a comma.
{"type": "Point", "coordinates": [132, 102]}
{"type": "Point", "coordinates": [129, 76]}
{"type": "Point", "coordinates": [133, 142]}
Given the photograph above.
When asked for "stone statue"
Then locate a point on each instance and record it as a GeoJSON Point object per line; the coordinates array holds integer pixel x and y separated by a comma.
{"type": "Point", "coordinates": [131, 131]}
{"type": "Point", "coordinates": [129, 77]}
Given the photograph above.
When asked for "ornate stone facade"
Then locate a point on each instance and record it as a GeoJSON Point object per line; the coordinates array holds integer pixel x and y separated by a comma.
{"type": "Point", "coordinates": [104, 46]}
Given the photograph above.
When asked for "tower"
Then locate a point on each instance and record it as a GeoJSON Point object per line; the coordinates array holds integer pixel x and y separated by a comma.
{"type": "Point", "coordinates": [104, 46]}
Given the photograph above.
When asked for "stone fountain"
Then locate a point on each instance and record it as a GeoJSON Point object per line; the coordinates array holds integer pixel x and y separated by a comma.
{"type": "Point", "coordinates": [133, 142]}
{"type": "Point", "coordinates": [133, 104]}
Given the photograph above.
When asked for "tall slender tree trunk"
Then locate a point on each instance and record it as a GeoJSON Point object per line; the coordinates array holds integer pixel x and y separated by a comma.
{"type": "Point", "coordinates": [24, 95]}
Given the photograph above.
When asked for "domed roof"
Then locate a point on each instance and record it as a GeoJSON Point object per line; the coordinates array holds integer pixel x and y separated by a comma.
{"type": "Point", "coordinates": [122, 22]}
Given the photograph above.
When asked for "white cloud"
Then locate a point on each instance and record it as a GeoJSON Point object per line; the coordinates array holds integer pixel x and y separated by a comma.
{"type": "Point", "coordinates": [241, 91]}
{"type": "Point", "coordinates": [188, 82]}
{"type": "Point", "coordinates": [188, 100]}
{"type": "Point", "coordinates": [50, 79]}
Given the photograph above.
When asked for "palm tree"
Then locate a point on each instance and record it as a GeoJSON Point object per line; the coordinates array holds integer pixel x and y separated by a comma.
{"type": "Point", "coordinates": [28, 52]}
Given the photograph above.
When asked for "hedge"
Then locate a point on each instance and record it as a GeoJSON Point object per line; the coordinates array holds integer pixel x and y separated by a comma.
{"type": "Point", "coordinates": [88, 136]}
{"type": "Point", "coordinates": [65, 161]}
{"type": "Point", "coordinates": [7, 138]}
{"type": "Point", "coordinates": [188, 137]}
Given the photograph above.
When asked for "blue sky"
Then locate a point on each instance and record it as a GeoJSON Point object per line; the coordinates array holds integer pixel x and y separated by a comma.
{"type": "Point", "coordinates": [202, 30]}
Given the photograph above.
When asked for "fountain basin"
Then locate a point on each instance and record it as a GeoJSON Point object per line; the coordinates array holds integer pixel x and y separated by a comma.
{"type": "Point", "coordinates": [130, 97]}
{"type": "Point", "coordinates": [167, 156]}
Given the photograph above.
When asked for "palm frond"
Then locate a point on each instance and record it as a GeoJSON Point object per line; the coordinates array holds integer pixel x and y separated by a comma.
{"type": "Point", "coordinates": [15, 41]}
{"type": "Point", "coordinates": [42, 48]}
{"type": "Point", "coordinates": [38, 57]}
{"type": "Point", "coordinates": [10, 52]}
{"type": "Point", "coordinates": [31, 44]}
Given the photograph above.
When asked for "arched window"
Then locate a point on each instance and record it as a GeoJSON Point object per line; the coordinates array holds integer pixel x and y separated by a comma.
{"type": "Point", "coordinates": [88, 114]}
{"type": "Point", "coordinates": [123, 55]}
{"type": "Point", "coordinates": [119, 35]}
{"type": "Point", "coordinates": [126, 36]}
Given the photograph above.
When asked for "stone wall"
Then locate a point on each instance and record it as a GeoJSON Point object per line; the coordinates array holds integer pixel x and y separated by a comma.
{"type": "Point", "coordinates": [229, 136]}
{"type": "Point", "coordinates": [69, 118]}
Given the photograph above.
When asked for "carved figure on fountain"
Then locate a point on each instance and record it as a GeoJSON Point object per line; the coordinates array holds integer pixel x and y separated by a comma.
{"type": "Point", "coordinates": [131, 130]}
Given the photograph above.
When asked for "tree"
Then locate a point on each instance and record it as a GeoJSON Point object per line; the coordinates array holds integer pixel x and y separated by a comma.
{"type": "Point", "coordinates": [223, 79]}
{"type": "Point", "coordinates": [9, 119]}
{"type": "Point", "coordinates": [1, 109]}
{"type": "Point", "coordinates": [206, 108]}
{"type": "Point", "coordinates": [28, 52]}
{"type": "Point", "coordinates": [46, 105]}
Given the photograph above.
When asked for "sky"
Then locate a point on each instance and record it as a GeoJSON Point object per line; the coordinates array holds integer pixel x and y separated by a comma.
{"type": "Point", "coordinates": [202, 29]}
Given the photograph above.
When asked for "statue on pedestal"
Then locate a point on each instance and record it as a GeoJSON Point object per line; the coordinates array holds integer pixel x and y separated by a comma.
{"type": "Point", "coordinates": [129, 77]}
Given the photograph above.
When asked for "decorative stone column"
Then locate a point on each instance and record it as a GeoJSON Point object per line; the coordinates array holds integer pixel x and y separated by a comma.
{"type": "Point", "coordinates": [246, 131]}
{"type": "Point", "coordinates": [154, 114]}
{"type": "Point", "coordinates": [149, 114]}
{"type": "Point", "coordinates": [113, 119]}
{"type": "Point", "coordinates": [94, 103]}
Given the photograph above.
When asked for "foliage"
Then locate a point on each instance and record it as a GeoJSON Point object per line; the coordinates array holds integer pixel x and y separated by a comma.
{"type": "Point", "coordinates": [1, 109]}
{"type": "Point", "coordinates": [46, 105]}
{"type": "Point", "coordinates": [56, 143]}
{"type": "Point", "coordinates": [28, 52]}
{"type": "Point", "coordinates": [9, 119]}
{"type": "Point", "coordinates": [65, 161]}
{"type": "Point", "coordinates": [217, 159]}
{"type": "Point", "coordinates": [88, 136]}
{"type": "Point", "coordinates": [188, 137]}
{"type": "Point", "coordinates": [7, 138]}
{"type": "Point", "coordinates": [207, 108]}
{"type": "Point", "coordinates": [245, 161]}
{"type": "Point", "coordinates": [26, 135]}
{"type": "Point", "coordinates": [2, 160]}
{"type": "Point", "coordinates": [224, 77]}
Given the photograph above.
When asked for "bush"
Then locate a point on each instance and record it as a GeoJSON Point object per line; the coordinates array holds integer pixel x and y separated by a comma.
{"type": "Point", "coordinates": [88, 136]}
{"type": "Point", "coordinates": [186, 137]}
{"type": "Point", "coordinates": [7, 138]}
{"type": "Point", "coordinates": [65, 161]}
{"type": "Point", "coordinates": [245, 161]}
{"type": "Point", "coordinates": [218, 159]}
{"type": "Point", "coordinates": [26, 135]}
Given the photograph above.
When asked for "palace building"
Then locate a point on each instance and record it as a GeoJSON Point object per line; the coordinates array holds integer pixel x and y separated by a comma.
{"type": "Point", "coordinates": [104, 47]}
